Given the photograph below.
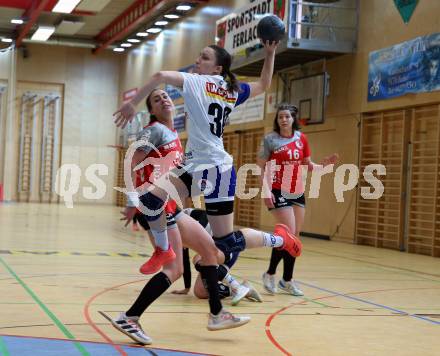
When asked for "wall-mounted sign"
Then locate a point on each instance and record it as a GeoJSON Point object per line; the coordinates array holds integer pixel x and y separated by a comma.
{"type": "Point", "coordinates": [251, 110]}
{"type": "Point", "coordinates": [409, 67]}
{"type": "Point", "coordinates": [238, 31]}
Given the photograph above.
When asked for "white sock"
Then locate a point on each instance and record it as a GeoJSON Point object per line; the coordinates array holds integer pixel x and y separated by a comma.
{"type": "Point", "coordinates": [231, 281]}
{"type": "Point", "coordinates": [271, 240]}
{"type": "Point", "coordinates": [161, 239]}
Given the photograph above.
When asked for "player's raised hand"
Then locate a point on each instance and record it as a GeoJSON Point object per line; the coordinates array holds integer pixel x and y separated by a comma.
{"type": "Point", "coordinates": [124, 115]}
{"type": "Point", "coordinates": [270, 46]}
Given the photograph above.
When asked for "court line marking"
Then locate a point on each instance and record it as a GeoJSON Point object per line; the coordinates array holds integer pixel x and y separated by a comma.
{"type": "Point", "coordinates": [302, 297]}
{"type": "Point", "coordinates": [104, 335]}
{"type": "Point", "coordinates": [3, 349]}
{"type": "Point", "coordinates": [134, 346]}
{"type": "Point", "coordinates": [73, 253]}
{"type": "Point", "coordinates": [45, 309]}
{"type": "Point", "coordinates": [272, 317]}
{"type": "Point", "coordinates": [378, 264]}
{"type": "Point", "coordinates": [348, 296]}
{"type": "Point", "coordinates": [320, 314]}
{"type": "Point", "coordinates": [93, 325]}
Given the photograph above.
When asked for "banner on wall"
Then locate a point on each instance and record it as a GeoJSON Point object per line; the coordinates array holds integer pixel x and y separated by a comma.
{"type": "Point", "coordinates": [238, 31]}
{"type": "Point", "coordinates": [251, 110]}
{"type": "Point", "coordinates": [180, 118]}
{"type": "Point", "coordinates": [409, 67]}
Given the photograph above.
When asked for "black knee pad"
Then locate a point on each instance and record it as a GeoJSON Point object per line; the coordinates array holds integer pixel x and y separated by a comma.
{"type": "Point", "coordinates": [153, 203]}
{"type": "Point", "coordinates": [219, 208]}
{"type": "Point", "coordinates": [231, 244]}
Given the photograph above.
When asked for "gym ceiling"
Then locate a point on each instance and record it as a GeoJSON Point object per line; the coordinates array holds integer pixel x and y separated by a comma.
{"type": "Point", "coordinates": [94, 24]}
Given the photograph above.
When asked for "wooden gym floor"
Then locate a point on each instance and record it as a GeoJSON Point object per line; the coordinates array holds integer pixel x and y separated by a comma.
{"type": "Point", "coordinates": [59, 267]}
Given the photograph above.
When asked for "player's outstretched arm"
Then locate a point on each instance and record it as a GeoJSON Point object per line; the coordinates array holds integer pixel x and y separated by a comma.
{"type": "Point", "coordinates": [126, 112]}
{"type": "Point", "coordinates": [332, 159]}
{"type": "Point", "coordinates": [260, 86]}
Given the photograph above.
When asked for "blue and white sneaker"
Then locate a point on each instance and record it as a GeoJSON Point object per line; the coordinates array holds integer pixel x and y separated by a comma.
{"type": "Point", "coordinates": [290, 288]}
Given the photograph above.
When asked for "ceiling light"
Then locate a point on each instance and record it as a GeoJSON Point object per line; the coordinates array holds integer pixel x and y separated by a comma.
{"type": "Point", "coordinates": [7, 40]}
{"type": "Point", "coordinates": [43, 33]}
{"type": "Point", "coordinates": [142, 34]}
{"type": "Point", "coordinates": [65, 6]}
{"type": "Point", "coordinates": [154, 30]}
{"type": "Point", "coordinates": [133, 40]}
{"type": "Point", "coordinates": [126, 45]}
{"type": "Point", "coordinates": [117, 49]}
{"type": "Point", "coordinates": [172, 16]}
{"type": "Point", "coordinates": [183, 8]}
{"type": "Point", "coordinates": [161, 23]}
{"type": "Point", "coordinates": [17, 21]}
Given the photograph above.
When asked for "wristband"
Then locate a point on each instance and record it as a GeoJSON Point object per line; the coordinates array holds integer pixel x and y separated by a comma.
{"type": "Point", "coordinates": [132, 199]}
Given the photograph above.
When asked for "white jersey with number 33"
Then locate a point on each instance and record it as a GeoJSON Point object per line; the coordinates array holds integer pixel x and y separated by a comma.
{"type": "Point", "coordinates": [208, 104]}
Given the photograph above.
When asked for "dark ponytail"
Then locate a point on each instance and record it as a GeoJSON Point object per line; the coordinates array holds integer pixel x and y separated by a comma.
{"type": "Point", "coordinates": [232, 82]}
{"type": "Point", "coordinates": [224, 59]}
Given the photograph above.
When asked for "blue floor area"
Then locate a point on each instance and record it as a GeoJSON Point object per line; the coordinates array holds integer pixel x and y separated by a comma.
{"type": "Point", "coordinates": [26, 346]}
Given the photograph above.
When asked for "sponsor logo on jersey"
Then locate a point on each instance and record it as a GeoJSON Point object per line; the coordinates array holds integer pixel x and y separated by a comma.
{"type": "Point", "coordinates": [299, 144]}
{"type": "Point", "coordinates": [217, 92]}
{"type": "Point", "coordinates": [281, 149]}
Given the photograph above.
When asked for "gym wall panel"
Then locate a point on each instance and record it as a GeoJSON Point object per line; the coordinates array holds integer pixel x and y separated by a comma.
{"type": "Point", "coordinates": [35, 145]}
{"type": "Point", "coordinates": [336, 219]}
{"type": "Point", "coordinates": [3, 114]}
{"type": "Point", "coordinates": [91, 90]}
{"type": "Point", "coordinates": [380, 26]}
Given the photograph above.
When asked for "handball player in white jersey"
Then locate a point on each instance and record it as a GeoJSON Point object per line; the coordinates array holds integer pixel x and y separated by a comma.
{"type": "Point", "coordinates": [210, 94]}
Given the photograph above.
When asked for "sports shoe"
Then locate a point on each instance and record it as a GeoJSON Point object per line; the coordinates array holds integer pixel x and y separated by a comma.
{"type": "Point", "coordinates": [130, 326]}
{"type": "Point", "coordinates": [253, 293]}
{"type": "Point", "coordinates": [290, 287]}
{"type": "Point", "coordinates": [226, 320]}
{"type": "Point", "coordinates": [159, 258]}
{"type": "Point", "coordinates": [238, 294]}
{"type": "Point", "coordinates": [269, 283]}
{"type": "Point", "coordinates": [291, 243]}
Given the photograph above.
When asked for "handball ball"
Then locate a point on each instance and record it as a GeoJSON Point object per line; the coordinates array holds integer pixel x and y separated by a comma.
{"type": "Point", "coordinates": [270, 28]}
